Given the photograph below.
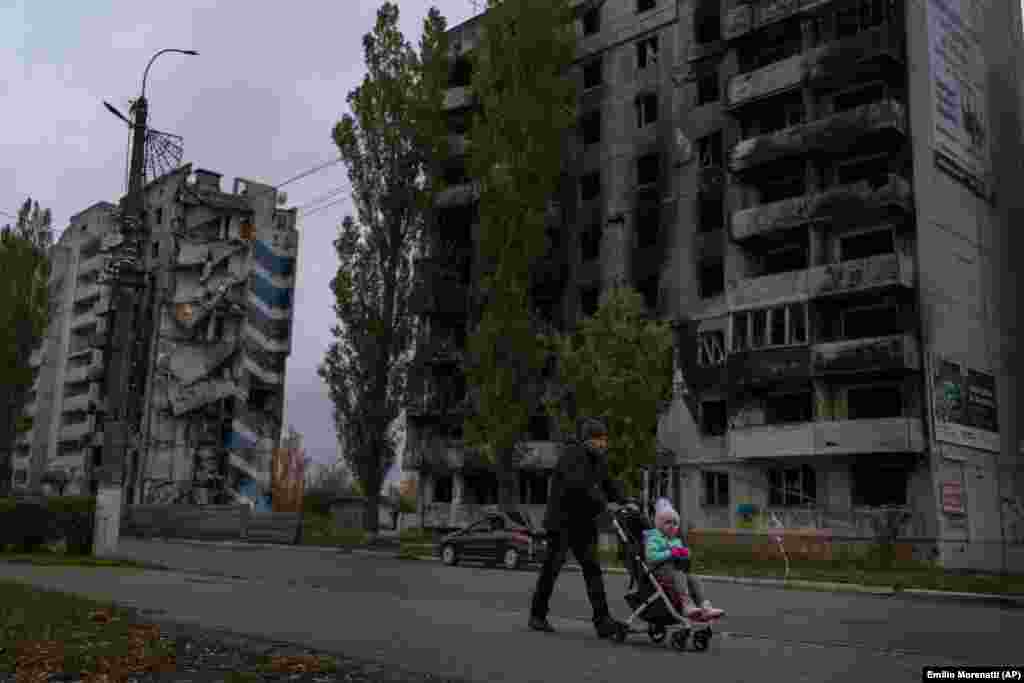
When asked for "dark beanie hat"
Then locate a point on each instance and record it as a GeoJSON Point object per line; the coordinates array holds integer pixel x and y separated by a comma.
{"type": "Point", "coordinates": [592, 427]}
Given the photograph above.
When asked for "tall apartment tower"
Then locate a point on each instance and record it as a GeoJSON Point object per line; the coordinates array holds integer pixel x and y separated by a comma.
{"type": "Point", "coordinates": [819, 195]}
{"type": "Point", "coordinates": [218, 341]}
{"type": "Point", "coordinates": [68, 364]}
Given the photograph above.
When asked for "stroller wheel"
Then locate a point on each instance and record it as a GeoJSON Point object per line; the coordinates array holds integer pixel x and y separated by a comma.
{"type": "Point", "coordinates": [620, 633]}
{"type": "Point", "coordinates": [656, 633]}
{"type": "Point", "coordinates": [701, 640]}
{"type": "Point", "coordinates": [680, 637]}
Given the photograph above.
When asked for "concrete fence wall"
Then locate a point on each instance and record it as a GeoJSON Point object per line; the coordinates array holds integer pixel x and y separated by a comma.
{"type": "Point", "coordinates": [210, 523]}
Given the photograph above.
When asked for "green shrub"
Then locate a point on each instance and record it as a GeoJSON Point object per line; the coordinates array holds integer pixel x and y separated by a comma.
{"type": "Point", "coordinates": [317, 502]}
{"type": "Point", "coordinates": [76, 517]}
{"type": "Point", "coordinates": [28, 525]}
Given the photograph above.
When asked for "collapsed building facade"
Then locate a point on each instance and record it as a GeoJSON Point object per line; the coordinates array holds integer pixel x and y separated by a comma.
{"type": "Point", "coordinates": [216, 340]}
{"type": "Point", "coordinates": [830, 238]}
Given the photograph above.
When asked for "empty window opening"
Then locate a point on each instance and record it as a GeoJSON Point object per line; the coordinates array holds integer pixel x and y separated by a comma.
{"type": "Point", "coordinates": [712, 279]}
{"type": "Point", "coordinates": [872, 402]}
{"type": "Point", "coordinates": [648, 289]}
{"type": "Point", "coordinates": [874, 169]}
{"type": "Point", "coordinates": [455, 173]}
{"type": "Point", "coordinates": [716, 488]}
{"type": "Point", "coordinates": [590, 243]}
{"type": "Point", "coordinates": [647, 52]}
{"type": "Point", "coordinates": [590, 298]}
{"type": "Point", "coordinates": [159, 216]}
{"type": "Point", "coordinates": [443, 489]}
{"type": "Point", "coordinates": [792, 486]}
{"type": "Point", "coordinates": [708, 22]}
{"type": "Point", "coordinates": [859, 16]}
{"type": "Point", "coordinates": [707, 88]}
{"type": "Point", "coordinates": [592, 21]}
{"type": "Point", "coordinates": [789, 180]}
{"type": "Point", "coordinates": [872, 321]}
{"type": "Point", "coordinates": [856, 97]}
{"type": "Point", "coordinates": [711, 213]}
{"type": "Point", "coordinates": [644, 5]}
{"type": "Point", "coordinates": [789, 408]}
{"type": "Point", "coordinates": [591, 125]}
{"type": "Point", "coordinates": [875, 484]}
{"type": "Point", "coordinates": [647, 169]}
{"type": "Point", "coordinates": [648, 227]}
{"type": "Point", "coordinates": [711, 348]}
{"type": "Point", "coordinates": [709, 150]}
{"type": "Point", "coordinates": [713, 418]}
{"type": "Point", "coordinates": [590, 186]}
{"type": "Point", "coordinates": [780, 42]}
{"type": "Point", "coordinates": [866, 244]}
{"type": "Point", "coordinates": [784, 259]}
{"type": "Point", "coordinates": [779, 326]}
{"type": "Point", "coordinates": [646, 109]}
{"type": "Point", "coordinates": [593, 73]}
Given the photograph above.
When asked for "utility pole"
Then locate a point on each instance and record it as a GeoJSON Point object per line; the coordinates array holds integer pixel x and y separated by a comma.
{"type": "Point", "coordinates": [122, 391]}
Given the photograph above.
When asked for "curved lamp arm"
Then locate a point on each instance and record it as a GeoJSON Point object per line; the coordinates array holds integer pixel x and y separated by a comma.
{"type": "Point", "coordinates": [152, 59]}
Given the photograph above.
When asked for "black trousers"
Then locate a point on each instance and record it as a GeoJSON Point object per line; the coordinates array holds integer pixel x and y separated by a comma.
{"type": "Point", "coordinates": [583, 543]}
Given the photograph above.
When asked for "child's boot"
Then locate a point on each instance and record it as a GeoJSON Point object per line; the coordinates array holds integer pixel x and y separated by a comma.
{"type": "Point", "coordinates": [711, 612]}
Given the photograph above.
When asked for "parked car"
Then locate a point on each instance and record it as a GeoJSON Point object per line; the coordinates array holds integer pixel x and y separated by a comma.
{"type": "Point", "coordinates": [507, 539]}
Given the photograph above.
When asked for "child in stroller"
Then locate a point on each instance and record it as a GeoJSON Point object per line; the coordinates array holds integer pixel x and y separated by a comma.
{"type": "Point", "coordinates": [662, 590]}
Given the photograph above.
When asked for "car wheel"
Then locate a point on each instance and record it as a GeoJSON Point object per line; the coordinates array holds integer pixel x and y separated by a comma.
{"type": "Point", "coordinates": [448, 555]}
{"type": "Point", "coordinates": [511, 558]}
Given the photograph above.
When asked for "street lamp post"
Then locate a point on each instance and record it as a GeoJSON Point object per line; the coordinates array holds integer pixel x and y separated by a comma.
{"type": "Point", "coordinates": [123, 396]}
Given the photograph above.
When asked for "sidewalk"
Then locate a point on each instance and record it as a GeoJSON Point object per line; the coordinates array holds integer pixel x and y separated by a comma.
{"type": "Point", "coordinates": [389, 550]}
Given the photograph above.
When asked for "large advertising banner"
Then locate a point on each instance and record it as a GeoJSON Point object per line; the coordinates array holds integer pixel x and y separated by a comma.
{"type": "Point", "coordinates": [959, 93]}
{"type": "Point", "coordinates": [288, 479]}
{"type": "Point", "coordinates": [964, 404]}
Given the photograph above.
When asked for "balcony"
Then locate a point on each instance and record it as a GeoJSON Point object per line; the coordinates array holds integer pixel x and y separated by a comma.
{"type": "Point", "coordinates": [82, 401]}
{"type": "Point", "coordinates": [90, 368]}
{"type": "Point", "coordinates": [769, 366]}
{"type": "Point", "coordinates": [832, 279]}
{"type": "Point", "coordinates": [874, 354]}
{"type": "Point", "coordinates": [833, 437]}
{"type": "Point", "coordinates": [85, 292]}
{"type": "Point", "coordinates": [834, 133]}
{"type": "Point", "coordinates": [95, 262]}
{"type": "Point", "coordinates": [439, 290]}
{"type": "Point", "coordinates": [843, 204]}
{"type": "Point", "coordinates": [78, 430]}
{"type": "Point", "coordinates": [861, 275]}
{"type": "Point", "coordinates": [458, 98]}
{"type": "Point", "coordinates": [832, 63]}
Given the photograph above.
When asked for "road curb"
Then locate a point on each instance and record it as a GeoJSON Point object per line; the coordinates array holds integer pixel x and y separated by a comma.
{"type": "Point", "coordinates": [836, 587]}
{"type": "Point", "coordinates": [390, 550]}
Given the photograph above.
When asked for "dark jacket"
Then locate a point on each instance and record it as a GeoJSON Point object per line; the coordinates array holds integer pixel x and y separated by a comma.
{"type": "Point", "coordinates": [581, 489]}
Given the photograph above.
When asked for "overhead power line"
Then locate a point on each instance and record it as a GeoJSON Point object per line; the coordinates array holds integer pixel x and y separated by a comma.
{"type": "Point", "coordinates": [315, 169]}
{"type": "Point", "coordinates": [322, 198]}
{"type": "Point", "coordinates": [325, 206]}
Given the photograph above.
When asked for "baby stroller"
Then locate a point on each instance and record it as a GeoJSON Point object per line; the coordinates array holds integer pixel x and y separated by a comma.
{"type": "Point", "coordinates": [650, 602]}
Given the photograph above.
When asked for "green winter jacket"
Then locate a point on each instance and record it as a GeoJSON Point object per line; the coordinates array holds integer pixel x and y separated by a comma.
{"type": "Point", "coordinates": [658, 547]}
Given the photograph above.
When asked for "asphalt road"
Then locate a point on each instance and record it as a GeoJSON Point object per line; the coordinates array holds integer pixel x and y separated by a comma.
{"type": "Point", "coordinates": [470, 621]}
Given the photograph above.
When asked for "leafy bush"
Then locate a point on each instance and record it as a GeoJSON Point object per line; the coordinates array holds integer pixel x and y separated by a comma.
{"type": "Point", "coordinates": [318, 502]}
{"type": "Point", "coordinates": [28, 525]}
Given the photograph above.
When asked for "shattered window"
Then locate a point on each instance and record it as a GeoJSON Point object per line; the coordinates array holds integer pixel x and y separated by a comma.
{"type": "Point", "coordinates": [716, 488]}
{"type": "Point", "coordinates": [872, 402]}
{"type": "Point", "coordinates": [707, 88]}
{"type": "Point", "coordinates": [646, 109]}
{"type": "Point", "coordinates": [709, 149]}
{"type": "Point", "coordinates": [711, 348]}
{"type": "Point", "coordinates": [592, 73]}
{"type": "Point", "coordinates": [591, 125]}
{"type": "Point", "coordinates": [740, 338]}
{"type": "Point", "coordinates": [644, 5]}
{"type": "Point", "coordinates": [647, 169]}
{"type": "Point", "coordinates": [592, 21]}
{"type": "Point", "coordinates": [647, 52]}
{"type": "Point", "coordinates": [713, 418]}
{"type": "Point", "coordinates": [590, 186]}
{"type": "Point", "coordinates": [712, 279]}
{"type": "Point", "coordinates": [789, 408]}
{"type": "Point", "coordinates": [866, 244]}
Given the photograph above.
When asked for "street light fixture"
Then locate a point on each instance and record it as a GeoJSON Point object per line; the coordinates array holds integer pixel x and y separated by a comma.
{"type": "Point", "coordinates": [121, 368]}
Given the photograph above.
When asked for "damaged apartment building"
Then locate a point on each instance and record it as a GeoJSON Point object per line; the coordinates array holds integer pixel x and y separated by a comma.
{"type": "Point", "coordinates": [218, 339]}
{"type": "Point", "coordinates": [817, 194]}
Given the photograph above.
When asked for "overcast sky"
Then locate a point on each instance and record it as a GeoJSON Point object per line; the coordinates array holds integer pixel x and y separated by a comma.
{"type": "Point", "coordinates": [259, 102]}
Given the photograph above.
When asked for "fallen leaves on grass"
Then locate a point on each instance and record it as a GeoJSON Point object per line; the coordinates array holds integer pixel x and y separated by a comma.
{"type": "Point", "coordinates": [36, 659]}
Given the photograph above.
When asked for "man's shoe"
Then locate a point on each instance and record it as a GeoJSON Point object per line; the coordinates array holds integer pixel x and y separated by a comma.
{"type": "Point", "coordinates": [607, 627]}
{"type": "Point", "coordinates": [541, 624]}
